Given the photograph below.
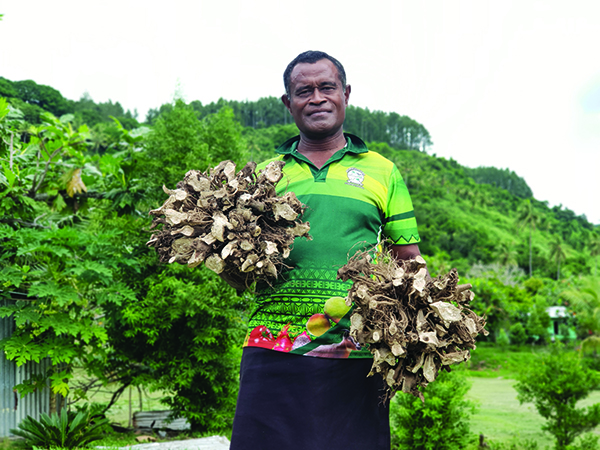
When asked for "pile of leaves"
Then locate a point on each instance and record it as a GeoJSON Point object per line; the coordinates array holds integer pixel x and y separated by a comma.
{"type": "Point", "coordinates": [412, 324]}
{"type": "Point", "coordinates": [234, 223]}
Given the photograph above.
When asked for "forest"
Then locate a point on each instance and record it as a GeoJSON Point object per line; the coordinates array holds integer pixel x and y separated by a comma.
{"type": "Point", "coordinates": [77, 180]}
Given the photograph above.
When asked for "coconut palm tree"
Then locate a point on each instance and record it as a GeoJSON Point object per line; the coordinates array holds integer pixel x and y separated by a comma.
{"type": "Point", "coordinates": [506, 254]}
{"type": "Point", "coordinates": [557, 250]}
{"type": "Point", "coordinates": [528, 217]}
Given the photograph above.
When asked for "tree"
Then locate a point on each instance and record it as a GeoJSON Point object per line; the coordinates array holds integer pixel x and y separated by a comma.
{"type": "Point", "coordinates": [538, 320]}
{"type": "Point", "coordinates": [517, 332]}
{"type": "Point", "coordinates": [441, 422]}
{"type": "Point", "coordinates": [182, 331]}
{"type": "Point", "coordinates": [502, 178]}
{"type": "Point", "coordinates": [61, 274]}
{"type": "Point", "coordinates": [181, 335]}
{"type": "Point", "coordinates": [557, 251]}
{"type": "Point", "coordinates": [555, 385]}
{"type": "Point", "coordinates": [528, 217]}
{"type": "Point", "coordinates": [595, 250]}
{"type": "Point", "coordinates": [584, 299]}
{"type": "Point", "coordinates": [180, 142]}
{"type": "Point", "coordinates": [96, 298]}
{"type": "Point", "coordinates": [46, 97]}
{"type": "Point", "coordinates": [506, 254]}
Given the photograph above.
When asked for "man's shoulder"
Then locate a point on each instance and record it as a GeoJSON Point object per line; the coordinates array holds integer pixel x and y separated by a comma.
{"type": "Point", "coordinates": [363, 149]}
{"type": "Point", "coordinates": [372, 158]}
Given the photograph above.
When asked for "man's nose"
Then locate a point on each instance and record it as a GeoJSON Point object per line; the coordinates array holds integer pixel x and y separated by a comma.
{"type": "Point", "coordinates": [317, 97]}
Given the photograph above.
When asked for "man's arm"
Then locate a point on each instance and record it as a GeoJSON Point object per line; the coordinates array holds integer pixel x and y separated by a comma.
{"type": "Point", "coordinates": [411, 251]}
{"type": "Point", "coordinates": [405, 252]}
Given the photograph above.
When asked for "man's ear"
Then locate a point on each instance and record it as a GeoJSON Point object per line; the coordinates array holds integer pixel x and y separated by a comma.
{"type": "Point", "coordinates": [286, 101]}
{"type": "Point", "coordinates": [347, 93]}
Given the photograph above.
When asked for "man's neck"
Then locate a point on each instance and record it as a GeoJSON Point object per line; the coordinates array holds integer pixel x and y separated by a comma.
{"type": "Point", "coordinates": [318, 151]}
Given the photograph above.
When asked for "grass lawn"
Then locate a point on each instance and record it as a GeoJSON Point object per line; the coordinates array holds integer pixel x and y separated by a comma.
{"type": "Point", "coordinates": [501, 418]}
{"type": "Point", "coordinates": [119, 412]}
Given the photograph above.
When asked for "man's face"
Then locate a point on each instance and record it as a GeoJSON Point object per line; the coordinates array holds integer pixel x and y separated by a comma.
{"type": "Point", "coordinates": [317, 100]}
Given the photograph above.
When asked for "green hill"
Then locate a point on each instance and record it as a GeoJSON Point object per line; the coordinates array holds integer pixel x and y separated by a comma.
{"type": "Point", "coordinates": [74, 202]}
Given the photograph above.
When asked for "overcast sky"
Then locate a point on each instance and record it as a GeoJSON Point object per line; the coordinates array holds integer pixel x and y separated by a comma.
{"type": "Point", "coordinates": [510, 84]}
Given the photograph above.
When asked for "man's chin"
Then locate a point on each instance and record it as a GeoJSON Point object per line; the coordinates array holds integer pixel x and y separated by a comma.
{"type": "Point", "coordinates": [319, 134]}
{"type": "Point", "coordinates": [322, 128]}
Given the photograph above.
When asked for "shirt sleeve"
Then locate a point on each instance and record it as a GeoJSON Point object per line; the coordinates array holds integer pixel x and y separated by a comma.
{"type": "Point", "coordinates": [399, 224]}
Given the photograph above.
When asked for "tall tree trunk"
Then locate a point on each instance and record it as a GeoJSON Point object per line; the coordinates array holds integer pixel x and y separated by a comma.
{"type": "Point", "coordinates": [530, 251]}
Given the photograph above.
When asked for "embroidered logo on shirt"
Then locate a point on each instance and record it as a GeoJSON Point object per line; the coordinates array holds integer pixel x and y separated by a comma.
{"type": "Point", "coordinates": [355, 177]}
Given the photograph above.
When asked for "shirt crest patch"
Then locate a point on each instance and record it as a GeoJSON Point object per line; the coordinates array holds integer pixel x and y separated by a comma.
{"type": "Point", "coordinates": [355, 177]}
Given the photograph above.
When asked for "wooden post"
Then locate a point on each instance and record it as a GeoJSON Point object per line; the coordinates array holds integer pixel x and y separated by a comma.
{"type": "Point", "coordinates": [130, 415]}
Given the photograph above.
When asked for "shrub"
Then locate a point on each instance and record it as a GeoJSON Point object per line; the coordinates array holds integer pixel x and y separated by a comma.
{"type": "Point", "coordinates": [586, 442]}
{"type": "Point", "coordinates": [539, 321]}
{"type": "Point", "coordinates": [518, 334]}
{"type": "Point", "coordinates": [502, 339]}
{"type": "Point", "coordinates": [513, 444]}
{"type": "Point", "coordinates": [67, 430]}
{"type": "Point", "coordinates": [555, 384]}
{"type": "Point", "coordinates": [441, 422]}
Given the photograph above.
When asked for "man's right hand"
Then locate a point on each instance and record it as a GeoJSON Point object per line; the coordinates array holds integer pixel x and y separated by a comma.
{"type": "Point", "coordinates": [234, 282]}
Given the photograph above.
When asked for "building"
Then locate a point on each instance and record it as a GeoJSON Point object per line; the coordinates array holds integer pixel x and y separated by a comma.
{"type": "Point", "coordinates": [13, 407]}
{"type": "Point", "coordinates": [560, 316]}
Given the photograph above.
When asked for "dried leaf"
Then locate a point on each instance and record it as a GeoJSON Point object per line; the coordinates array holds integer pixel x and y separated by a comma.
{"type": "Point", "coordinates": [399, 311]}
{"type": "Point", "coordinates": [285, 211]}
{"type": "Point", "coordinates": [446, 311]}
{"type": "Point", "coordinates": [75, 184]}
{"type": "Point", "coordinates": [215, 263]}
{"type": "Point", "coordinates": [233, 222]}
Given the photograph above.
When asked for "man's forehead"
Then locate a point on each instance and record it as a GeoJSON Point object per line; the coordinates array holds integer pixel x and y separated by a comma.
{"type": "Point", "coordinates": [323, 70]}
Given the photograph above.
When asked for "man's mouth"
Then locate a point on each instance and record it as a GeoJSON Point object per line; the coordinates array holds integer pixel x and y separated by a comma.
{"type": "Point", "coordinates": [319, 112]}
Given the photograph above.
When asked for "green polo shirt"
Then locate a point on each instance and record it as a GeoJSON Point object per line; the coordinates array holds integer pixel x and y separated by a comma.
{"type": "Point", "coordinates": [356, 200]}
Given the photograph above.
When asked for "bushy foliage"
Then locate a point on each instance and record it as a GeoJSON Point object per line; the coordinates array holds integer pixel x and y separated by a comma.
{"type": "Point", "coordinates": [554, 385]}
{"type": "Point", "coordinates": [502, 339]}
{"type": "Point", "coordinates": [182, 334]}
{"type": "Point", "coordinates": [90, 293]}
{"type": "Point", "coordinates": [513, 444]}
{"type": "Point", "coordinates": [538, 321]}
{"type": "Point", "coordinates": [399, 132]}
{"type": "Point", "coordinates": [64, 430]}
{"type": "Point", "coordinates": [502, 178]}
{"type": "Point", "coordinates": [180, 142]}
{"type": "Point", "coordinates": [73, 204]}
{"type": "Point", "coordinates": [441, 422]}
{"type": "Point", "coordinates": [518, 335]}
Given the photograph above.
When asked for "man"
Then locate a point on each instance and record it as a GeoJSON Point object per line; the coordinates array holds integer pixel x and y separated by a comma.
{"type": "Point", "coordinates": [304, 381]}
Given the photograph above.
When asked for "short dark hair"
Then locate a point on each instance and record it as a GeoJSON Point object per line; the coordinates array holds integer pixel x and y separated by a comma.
{"type": "Point", "coordinates": [311, 57]}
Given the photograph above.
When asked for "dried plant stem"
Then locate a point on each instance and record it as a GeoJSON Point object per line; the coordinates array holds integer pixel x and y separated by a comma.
{"type": "Point", "coordinates": [414, 325]}
{"type": "Point", "coordinates": [233, 223]}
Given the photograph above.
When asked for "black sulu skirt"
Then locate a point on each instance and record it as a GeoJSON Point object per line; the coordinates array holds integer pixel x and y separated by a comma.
{"type": "Point", "coordinates": [295, 402]}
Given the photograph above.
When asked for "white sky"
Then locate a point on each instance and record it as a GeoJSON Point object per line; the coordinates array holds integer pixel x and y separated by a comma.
{"type": "Point", "coordinates": [497, 83]}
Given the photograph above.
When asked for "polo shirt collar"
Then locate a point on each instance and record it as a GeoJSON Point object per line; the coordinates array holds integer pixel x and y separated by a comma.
{"type": "Point", "coordinates": [354, 144]}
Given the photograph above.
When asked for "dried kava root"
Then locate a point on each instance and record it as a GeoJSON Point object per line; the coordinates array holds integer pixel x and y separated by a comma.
{"type": "Point", "coordinates": [234, 223]}
{"type": "Point", "coordinates": [413, 325]}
